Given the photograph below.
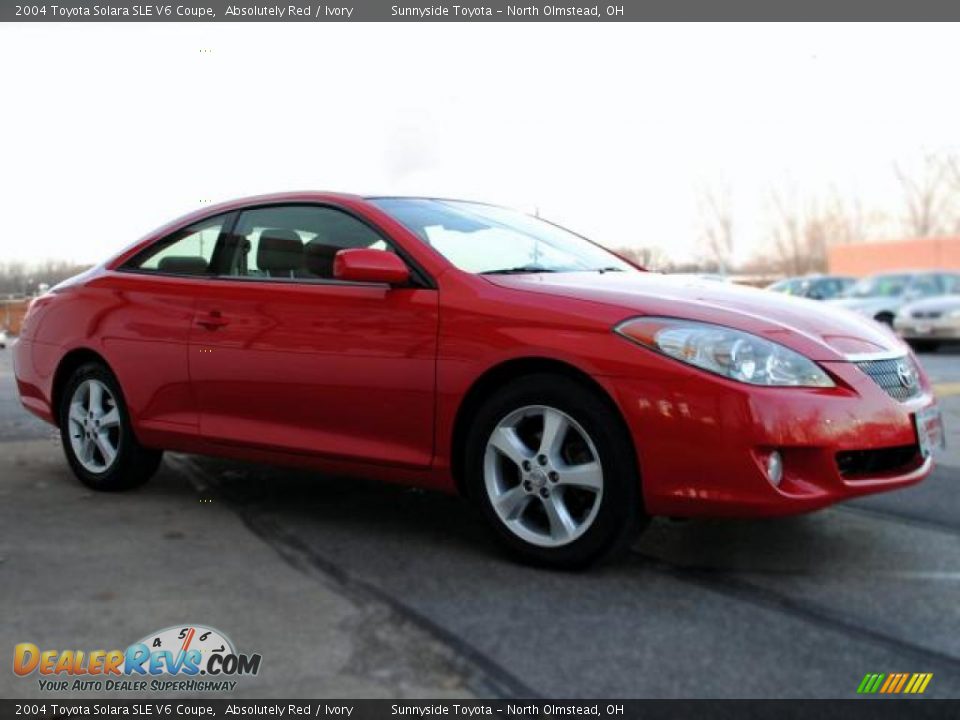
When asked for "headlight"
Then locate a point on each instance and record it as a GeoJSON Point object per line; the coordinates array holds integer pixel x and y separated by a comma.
{"type": "Point", "coordinates": [724, 351]}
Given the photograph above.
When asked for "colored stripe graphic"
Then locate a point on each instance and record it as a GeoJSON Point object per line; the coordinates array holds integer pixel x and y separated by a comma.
{"type": "Point", "coordinates": [870, 683]}
{"type": "Point", "coordinates": [894, 683]}
{"type": "Point", "coordinates": [912, 683]}
{"type": "Point", "coordinates": [903, 680]}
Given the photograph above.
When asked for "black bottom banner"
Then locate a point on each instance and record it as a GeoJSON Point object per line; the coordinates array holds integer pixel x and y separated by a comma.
{"type": "Point", "coordinates": [874, 709]}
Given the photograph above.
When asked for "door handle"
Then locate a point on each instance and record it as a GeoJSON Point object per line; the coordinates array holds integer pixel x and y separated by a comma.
{"type": "Point", "coordinates": [212, 321]}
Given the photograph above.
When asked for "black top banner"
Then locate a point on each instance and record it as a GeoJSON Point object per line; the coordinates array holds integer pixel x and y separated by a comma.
{"type": "Point", "coordinates": [470, 11]}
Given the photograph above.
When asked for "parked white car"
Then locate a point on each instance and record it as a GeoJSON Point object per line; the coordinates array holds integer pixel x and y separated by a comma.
{"type": "Point", "coordinates": [927, 324]}
{"type": "Point", "coordinates": [3, 340]}
{"type": "Point", "coordinates": [881, 296]}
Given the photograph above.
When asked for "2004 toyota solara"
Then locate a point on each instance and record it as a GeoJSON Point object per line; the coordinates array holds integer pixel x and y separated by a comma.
{"type": "Point", "coordinates": [472, 349]}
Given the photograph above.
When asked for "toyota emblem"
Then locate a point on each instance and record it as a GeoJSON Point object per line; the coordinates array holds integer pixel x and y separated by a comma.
{"type": "Point", "coordinates": [906, 375]}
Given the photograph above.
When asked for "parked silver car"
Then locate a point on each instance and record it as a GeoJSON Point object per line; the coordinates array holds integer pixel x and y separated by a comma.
{"type": "Point", "coordinates": [881, 296]}
{"type": "Point", "coordinates": [815, 287]}
{"type": "Point", "coordinates": [926, 324]}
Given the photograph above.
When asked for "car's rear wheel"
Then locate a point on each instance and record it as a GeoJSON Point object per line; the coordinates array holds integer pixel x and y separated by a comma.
{"type": "Point", "coordinates": [554, 471]}
{"type": "Point", "coordinates": [96, 434]}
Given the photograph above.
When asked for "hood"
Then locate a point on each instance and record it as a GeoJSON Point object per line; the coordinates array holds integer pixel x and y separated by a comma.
{"type": "Point", "coordinates": [820, 331]}
{"type": "Point", "coordinates": [940, 303]}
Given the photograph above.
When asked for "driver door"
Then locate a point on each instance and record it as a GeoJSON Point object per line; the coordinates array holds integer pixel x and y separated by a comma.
{"type": "Point", "coordinates": [284, 357]}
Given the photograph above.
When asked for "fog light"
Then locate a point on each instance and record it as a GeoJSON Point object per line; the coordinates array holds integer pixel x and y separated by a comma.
{"type": "Point", "coordinates": [775, 468]}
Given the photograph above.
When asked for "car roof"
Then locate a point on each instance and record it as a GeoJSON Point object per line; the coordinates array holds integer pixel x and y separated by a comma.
{"type": "Point", "coordinates": [280, 197]}
{"type": "Point", "coordinates": [428, 197]}
{"type": "Point", "coordinates": [295, 196]}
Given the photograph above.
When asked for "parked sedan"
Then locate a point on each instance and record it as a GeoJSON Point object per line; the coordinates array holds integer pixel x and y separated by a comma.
{"type": "Point", "coordinates": [471, 349]}
{"type": "Point", "coordinates": [815, 287]}
{"type": "Point", "coordinates": [881, 296]}
{"type": "Point", "coordinates": [926, 324]}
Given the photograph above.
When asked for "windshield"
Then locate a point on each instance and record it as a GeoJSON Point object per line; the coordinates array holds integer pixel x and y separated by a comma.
{"type": "Point", "coordinates": [487, 239]}
{"type": "Point", "coordinates": [879, 286]}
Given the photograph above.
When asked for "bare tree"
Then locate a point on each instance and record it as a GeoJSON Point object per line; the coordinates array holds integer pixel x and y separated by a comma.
{"type": "Point", "coordinates": [17, 278]}
{"type": "Point", "coordinates": [928, 196]}
{"type": "Point", "coordinates": [844, 222]}
{"type": "Point", "coordinates": [716, 226]}
{"type": "Point", "coordinates": [785, 233]}
{"type": "Point", "coordinates": [652, 258]}
{"type": "Point", "coordinates": [952, 162]}
{"type": "Point", "coordinates": [803, 229]}
{"type": "Point", "coordinates": [800, 234]}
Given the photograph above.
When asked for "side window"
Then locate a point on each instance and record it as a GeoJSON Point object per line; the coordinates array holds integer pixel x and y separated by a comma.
{"type": "Point", "coordinates": [185, 252]}
{"type": "Point", "coordinates": [296, 241]}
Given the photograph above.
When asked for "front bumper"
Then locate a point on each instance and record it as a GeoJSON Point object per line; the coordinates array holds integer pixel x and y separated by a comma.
{"type": "Point", "coordinates": [702, 441]}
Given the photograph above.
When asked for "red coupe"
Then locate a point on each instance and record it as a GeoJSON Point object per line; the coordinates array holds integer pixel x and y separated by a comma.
{"type": "Point", "coordinates": [473, 349]}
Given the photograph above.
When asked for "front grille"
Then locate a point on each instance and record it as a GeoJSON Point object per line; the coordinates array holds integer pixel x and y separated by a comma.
{"type": "Point", "coordinates": [927, 314]}
{"type": "Point", "coordinates": [898, 377]}
{"type": "Point", "coordinates": [853, 463]}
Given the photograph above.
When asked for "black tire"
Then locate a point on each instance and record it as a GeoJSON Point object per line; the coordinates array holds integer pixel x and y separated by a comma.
{"type": "Point", "coordinates": [620, 515]}
{"type": "Point", "coordinates": [924, 345]}
{"type": "Point", "coordinates": [134, 464]}
{"type": "Point", "coordinates": [885, 318]}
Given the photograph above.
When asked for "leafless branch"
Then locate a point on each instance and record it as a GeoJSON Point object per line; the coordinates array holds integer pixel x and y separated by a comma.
{"type": "Point", "coordinates": [716, 226]}
{"type": "Point", "coordinates": [928, 196]}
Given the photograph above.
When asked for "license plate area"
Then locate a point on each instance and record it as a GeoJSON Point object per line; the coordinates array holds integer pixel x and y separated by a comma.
{"type": "Point", "coordinates": [930, 434]}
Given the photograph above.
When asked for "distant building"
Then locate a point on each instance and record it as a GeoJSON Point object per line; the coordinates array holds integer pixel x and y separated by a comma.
{"type": "Point", "coordinates": [939, 253]}
{"type": "Point", "coordinates": [11, 314]}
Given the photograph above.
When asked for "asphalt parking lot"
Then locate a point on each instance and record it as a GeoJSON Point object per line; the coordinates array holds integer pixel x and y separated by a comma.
{"type": "Point", "coordinates": [408, 589]}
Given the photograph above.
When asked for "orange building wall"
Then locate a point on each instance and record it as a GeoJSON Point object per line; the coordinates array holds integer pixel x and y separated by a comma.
{"type": "Point", "coordinates": [919, 254]}
{"type": "Point", "coordinates": [11, 315]}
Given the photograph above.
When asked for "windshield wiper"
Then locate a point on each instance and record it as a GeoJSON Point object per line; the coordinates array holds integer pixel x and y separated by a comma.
{"type": "Point", "coordinates": [522, 269]}
{"type": "Point", "coordinates": [609, 269]}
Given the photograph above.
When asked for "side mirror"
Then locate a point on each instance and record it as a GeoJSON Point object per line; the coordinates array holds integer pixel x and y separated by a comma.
{"type": "Point", "coordinates": [373, 266]}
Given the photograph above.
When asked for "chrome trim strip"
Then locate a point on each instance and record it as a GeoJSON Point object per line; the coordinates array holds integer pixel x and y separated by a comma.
{"type": "Point", "coordinates": [884, 355]}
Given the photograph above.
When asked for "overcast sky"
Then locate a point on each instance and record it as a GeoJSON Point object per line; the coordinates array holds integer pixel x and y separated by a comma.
{"type": "Point", "coordinates": [112, 129]}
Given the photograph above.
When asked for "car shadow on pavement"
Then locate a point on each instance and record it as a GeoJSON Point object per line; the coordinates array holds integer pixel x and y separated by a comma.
{"type": "Point", "coordinates": [839, 540]}
{"type": "Point", "coordinates": [861, 581]}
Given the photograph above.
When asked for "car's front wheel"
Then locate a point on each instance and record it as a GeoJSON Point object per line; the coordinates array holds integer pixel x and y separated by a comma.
{"type": "Point", "coordinates": [554, 471]}
{"type": "Point", "coordinates": [96, 434]}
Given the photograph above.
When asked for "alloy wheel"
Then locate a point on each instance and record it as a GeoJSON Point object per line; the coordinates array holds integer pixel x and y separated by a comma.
{"type": "Point", "coordinates": [94, 426]}
{"type": "Point", "coordinates": [543, 476]}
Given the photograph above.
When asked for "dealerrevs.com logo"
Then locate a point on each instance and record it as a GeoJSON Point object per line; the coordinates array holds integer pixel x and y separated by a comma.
{"type": "Point", "coordinates": [183, 658]}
